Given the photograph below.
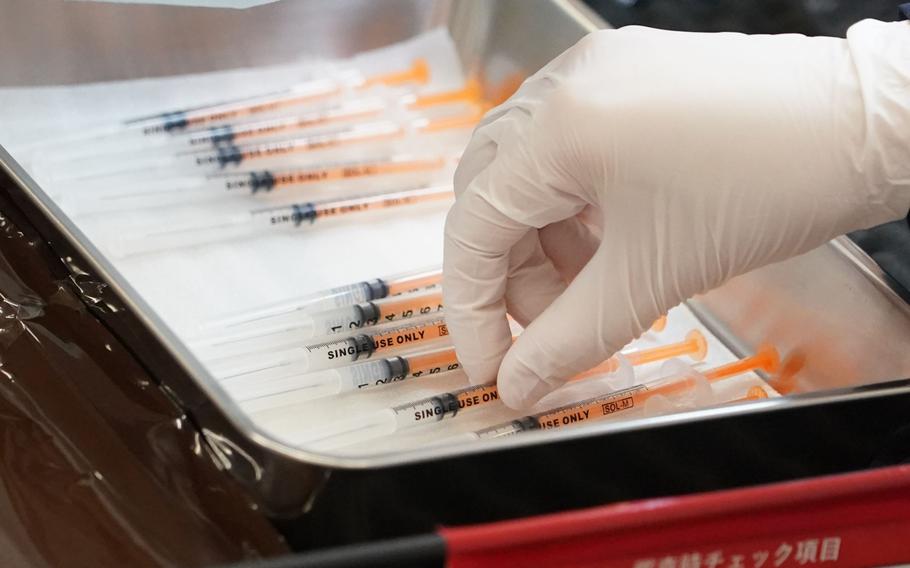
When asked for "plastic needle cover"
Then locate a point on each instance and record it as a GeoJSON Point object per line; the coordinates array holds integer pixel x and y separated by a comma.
{"type": "Point", "coordinates": [307, 325]}
{"type": "Point", "coordinates": [290, 310]}
{"type": "Point", "coordinates": [219, 228]}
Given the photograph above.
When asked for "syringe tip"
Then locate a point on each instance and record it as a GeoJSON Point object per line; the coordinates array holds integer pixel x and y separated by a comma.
{"type": "Point", "coordinates": [785, 380]}
{"type": "Point", "coordinates": [473, 89]}
{"type": "Point", "coordinates": [767, 359]}
{"type": "Point", "coordinates": [697, 339]}
{"type": "Point", "coordinates": [421, 70]}
{"type": "Point", "coordinates": [756, 393]}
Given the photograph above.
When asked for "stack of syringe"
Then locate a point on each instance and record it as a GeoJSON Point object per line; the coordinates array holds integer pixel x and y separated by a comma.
{"type": "Point", "coordinates": [237, 169]}
{"type": "Point", "coordinates": [352, 341]}
{"type": "Point", "coordinates": [282, 331]}
{"type": "Point", "coordinates": [679, 387]}
{"type": "Point", "coordinates": [180, 126]}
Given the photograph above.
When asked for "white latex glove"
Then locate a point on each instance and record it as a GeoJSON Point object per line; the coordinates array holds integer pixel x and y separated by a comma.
{"type": "Point", "coordinates": [702, 156]}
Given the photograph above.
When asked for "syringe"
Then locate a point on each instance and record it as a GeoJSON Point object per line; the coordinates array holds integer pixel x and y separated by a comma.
{"type": "Point", "coordinates": [303, 93]}
{"type": "Point", "coordinates": [754, 393]}
{"type": "Point", "coordinates": [213, 140]}
{"type": "Point", "coordinates": [658, 392]}
{"type": "Point", "coordinates": [307, 325]}
{"type": "Point", "coordinates": [390, 420]}
{"type": "Point", "coordinates": [345, 110]}
{"type": "Point", "coordinates": [95, 197]}
{"type": "Point", "coordinates": [171, 122]}
{"type": "Point", "coordinates": [264, 395]}
{"type": "Point", "coordinates": [363, 377]}
{"type": "Point", "coordinates": [232, 155]}
{"type": "Point", "coordinates": [346, 295]}
{"type": "Point", "coordinates": [694, 345]}
{"type": "Point", "coordinates": [332, 353]}
{"type": "Point", "coordinates": [408, 415]}
{"type": "Point", "coordinates": [297, 216]}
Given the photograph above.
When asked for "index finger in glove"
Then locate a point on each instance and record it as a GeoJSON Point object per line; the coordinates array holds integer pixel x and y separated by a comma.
{"type": "Point", "coordinates": [496, 208]}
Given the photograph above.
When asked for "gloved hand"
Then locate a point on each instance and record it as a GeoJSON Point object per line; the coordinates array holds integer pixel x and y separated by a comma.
{"type": "Point", "coordinates": [642, 167]}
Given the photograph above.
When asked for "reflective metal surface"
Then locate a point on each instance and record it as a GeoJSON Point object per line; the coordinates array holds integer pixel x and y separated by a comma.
{"type": "Point", "coordinates": [828, 305]}
{"type": "Point", "coordinates": [100, 467]}
{"type": "Point", "coordinates": [61, 42]}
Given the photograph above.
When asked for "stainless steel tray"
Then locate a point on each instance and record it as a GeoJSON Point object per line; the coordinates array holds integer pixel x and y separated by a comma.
{"type": "Point", "coordinates": [831, 304]}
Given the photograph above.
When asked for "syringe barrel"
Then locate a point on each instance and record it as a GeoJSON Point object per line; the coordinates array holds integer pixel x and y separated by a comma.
{"type": "Point", "coordinates": [406, 282]}
{"type": "Point", "coordinates": [616, 402]}
{"type": "Point", "coordinates": [339, 352]}
{"type": "Point", "coordinates": [370, 373]}
{"type": "Point", "coordinates": [103, 197]}
{"type": "Point", "coordinates": [152, 239]}
{"type": "Point", "coordinates": [381, 372]}
{"type": "Point", "coordinates": [290, 397]}
{"type": "Point", "coordinates": [374, 289]}
{"type": "Point", "coordinates": [446, 405]}
{"type": "Point", "coordinates": [318, 301]}
{"type": "Point", "coordinates": [345, 318]}
{"type": "Point", "coordinates": [433, 362]}
{"type": "Point", "coordinates": [360, 428]}
{"type": "Point", "coordinates": [508, 429]}
{"type": "Point", "coordinates": [303, 326]}
{"type": "Point", "coordinates": [282, 391]}
{"type": "Point", "coordinates": [232, 156]}
{"type": "Point", "coordinates": [280, 125]}
{"type": "Point", "coordinates": [86, 168]}
{"type": "Point", "coordinates": [345, 351]}
{"type": "Point", "coordinates": [255, 339]}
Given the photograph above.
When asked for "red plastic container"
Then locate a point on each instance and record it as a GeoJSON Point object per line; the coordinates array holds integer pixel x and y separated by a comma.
{"type": "Point", "coordinates": [856, 519]}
